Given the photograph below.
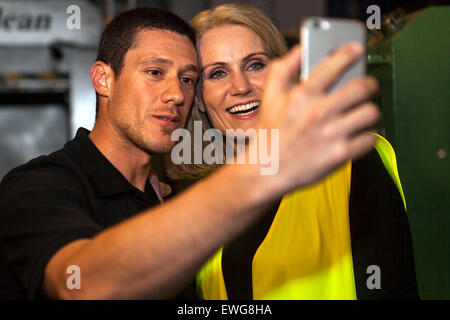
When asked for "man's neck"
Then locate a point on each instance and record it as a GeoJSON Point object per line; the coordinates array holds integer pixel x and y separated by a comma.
{"type": "Point", "coordinates": [132, 162]}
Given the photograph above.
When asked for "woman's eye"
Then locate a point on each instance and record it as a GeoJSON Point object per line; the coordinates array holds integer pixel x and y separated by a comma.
{"type": "Point", "coordinates": [218, 74]}
{"type": "Point", "coordinates": [256, 66]}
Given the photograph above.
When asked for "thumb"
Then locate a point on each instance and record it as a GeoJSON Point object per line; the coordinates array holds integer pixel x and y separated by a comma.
{"type": "Point", "coordinates": [165, 189]}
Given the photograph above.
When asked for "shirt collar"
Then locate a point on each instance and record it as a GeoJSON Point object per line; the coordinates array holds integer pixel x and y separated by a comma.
{"type": "Point", "coordinates": [105, 178]}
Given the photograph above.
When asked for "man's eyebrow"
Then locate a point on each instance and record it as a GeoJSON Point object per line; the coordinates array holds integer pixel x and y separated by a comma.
{"type": "Point", "coordinates": [159, 60]}
{"type": "Point", "coordinates": [190, 67]}
{"type": "Point", "coordinates": [247, 57]}
{"type": "Point", "coordinates": [156, 60]}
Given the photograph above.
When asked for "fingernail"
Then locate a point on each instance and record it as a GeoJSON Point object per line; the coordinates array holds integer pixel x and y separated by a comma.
{"type": "Point", "coordinates": [357, 47]}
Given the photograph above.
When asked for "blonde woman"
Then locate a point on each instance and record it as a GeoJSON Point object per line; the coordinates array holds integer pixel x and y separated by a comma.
{"type": "Point", "coordinates": [322, 242]}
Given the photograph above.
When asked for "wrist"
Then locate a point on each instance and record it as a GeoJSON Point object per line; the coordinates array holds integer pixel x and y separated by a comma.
{"type": "Point", "coordinates": [251, 185]}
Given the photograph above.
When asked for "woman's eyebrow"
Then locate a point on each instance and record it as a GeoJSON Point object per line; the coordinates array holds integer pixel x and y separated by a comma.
{"type": "Point", "coordinates": [247, 57]}
{"type": "Point", "coordinates": [255, 54]}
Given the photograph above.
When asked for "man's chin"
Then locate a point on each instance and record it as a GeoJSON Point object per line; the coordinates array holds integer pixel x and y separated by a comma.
{"type": "Point", "coordinates": [162, 150]}
{"type": "Point", "coordinates": [161, 147]}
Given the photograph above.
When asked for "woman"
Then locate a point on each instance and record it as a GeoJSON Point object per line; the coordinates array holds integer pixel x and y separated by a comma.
{"type": "Point", "coordinates": [333, 240]}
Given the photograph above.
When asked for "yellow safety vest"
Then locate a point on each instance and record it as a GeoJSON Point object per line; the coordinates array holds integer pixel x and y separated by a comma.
{"type": "Point", "coordinates": [306, 253]}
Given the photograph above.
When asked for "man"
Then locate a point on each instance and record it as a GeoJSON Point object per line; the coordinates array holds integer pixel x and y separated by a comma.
{"type": "Point", "coordinates": [88, 205]}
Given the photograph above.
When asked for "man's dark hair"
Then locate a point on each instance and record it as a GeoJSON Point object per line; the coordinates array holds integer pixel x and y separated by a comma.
{"type": "Point", "coordinates": [120, 34]}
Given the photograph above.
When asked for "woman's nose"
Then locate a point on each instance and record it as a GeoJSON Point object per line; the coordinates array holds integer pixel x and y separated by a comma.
{"type": "Point", "coordinates": [240, 85]}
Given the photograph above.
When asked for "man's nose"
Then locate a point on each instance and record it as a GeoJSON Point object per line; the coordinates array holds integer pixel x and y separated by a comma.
{"type": "Point", "coordinates": [173, 92]}
{"type": "Point", "coordinates": [240, 84]}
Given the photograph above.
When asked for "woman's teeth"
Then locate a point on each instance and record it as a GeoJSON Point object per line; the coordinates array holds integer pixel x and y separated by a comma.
{"type": "Point", "coordinates": [244, 109]}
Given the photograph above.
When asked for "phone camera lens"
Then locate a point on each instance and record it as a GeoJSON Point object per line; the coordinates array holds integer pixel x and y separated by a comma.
{"type": "Point", "coordinates": [316, 23]}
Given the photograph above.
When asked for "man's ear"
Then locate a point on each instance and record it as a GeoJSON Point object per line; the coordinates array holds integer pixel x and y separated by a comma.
{"type": "Point", "coordinates": [102, 76]}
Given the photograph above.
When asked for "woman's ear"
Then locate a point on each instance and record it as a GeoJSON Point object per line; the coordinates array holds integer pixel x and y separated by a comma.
{"type": "Point", "coordinates": [101, 76]}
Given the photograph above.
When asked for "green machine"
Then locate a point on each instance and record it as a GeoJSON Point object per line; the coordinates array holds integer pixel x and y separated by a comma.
{"type": "Point", "coordinates": [410, 59]}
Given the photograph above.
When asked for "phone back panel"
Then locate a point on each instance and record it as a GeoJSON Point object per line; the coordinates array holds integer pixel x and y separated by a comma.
{"type": "Point", "coordinates": [320, 37]}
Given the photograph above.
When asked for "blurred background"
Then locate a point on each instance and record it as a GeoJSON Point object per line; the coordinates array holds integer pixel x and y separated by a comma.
{"type": "Point", "coordinates": [46, 92]}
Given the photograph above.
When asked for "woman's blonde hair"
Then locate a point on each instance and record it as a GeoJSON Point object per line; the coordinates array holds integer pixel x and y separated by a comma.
{"type": "Point", "coordinates": [247, 16]}
{"type": "Point", "coordinates": [233, 14]}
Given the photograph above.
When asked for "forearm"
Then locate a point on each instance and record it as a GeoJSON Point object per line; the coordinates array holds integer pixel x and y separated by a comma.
{"type": "Point", "coordinates": [156, 254]}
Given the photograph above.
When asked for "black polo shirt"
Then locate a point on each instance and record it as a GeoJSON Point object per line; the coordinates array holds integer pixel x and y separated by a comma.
{"type": "Point", "coordinates": [53, 200]}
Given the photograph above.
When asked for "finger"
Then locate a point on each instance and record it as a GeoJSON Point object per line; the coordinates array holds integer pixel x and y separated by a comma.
{"type": "Point", "coordinates": [154, 181]}
{"type": "Point", "coordinates": [353, 93]}
{"type": "Point", "coordinates": [361, 118]}
{"type": "Point", "coordinates": [361, 144]}
{"type": "Point", "coordinates": [165, 189]}
{"type": "Point", "coordinates": [328, 71]}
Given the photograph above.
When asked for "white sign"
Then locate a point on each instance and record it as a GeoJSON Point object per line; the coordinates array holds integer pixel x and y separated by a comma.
{"type": "Point", "coordinates": [47, 21]}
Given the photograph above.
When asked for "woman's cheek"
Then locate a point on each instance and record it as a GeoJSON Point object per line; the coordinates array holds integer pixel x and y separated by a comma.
{"type": "Point", "coordinates": [259, 81]}
{"type": "Point", "coordinates": [214, 96]}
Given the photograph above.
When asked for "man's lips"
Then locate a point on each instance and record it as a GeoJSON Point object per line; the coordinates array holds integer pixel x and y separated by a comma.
{"type": "Point", "coordinates": [168, 119]}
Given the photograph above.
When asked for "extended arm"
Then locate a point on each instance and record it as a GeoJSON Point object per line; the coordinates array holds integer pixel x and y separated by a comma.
{"type": "Point", "coordinates": [156, 253]}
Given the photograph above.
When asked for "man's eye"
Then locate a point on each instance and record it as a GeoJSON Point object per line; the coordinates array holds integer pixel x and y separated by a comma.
{"type": "Point", "coordinates": [154, 72]}
{"type": "Point", "coordinates": [187, 81]}
{"type": "Point", "coordinates": [217, 74]}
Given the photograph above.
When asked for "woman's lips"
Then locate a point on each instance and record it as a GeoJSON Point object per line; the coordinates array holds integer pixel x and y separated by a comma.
{"type": "Point", "coordinates": [245, 110]}
{"type": "Point", "coordinates": [247, 115]}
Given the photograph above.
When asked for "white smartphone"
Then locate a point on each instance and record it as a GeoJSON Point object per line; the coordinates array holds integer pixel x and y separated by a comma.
{"type": "Point", "coordinates": [319, 37]}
